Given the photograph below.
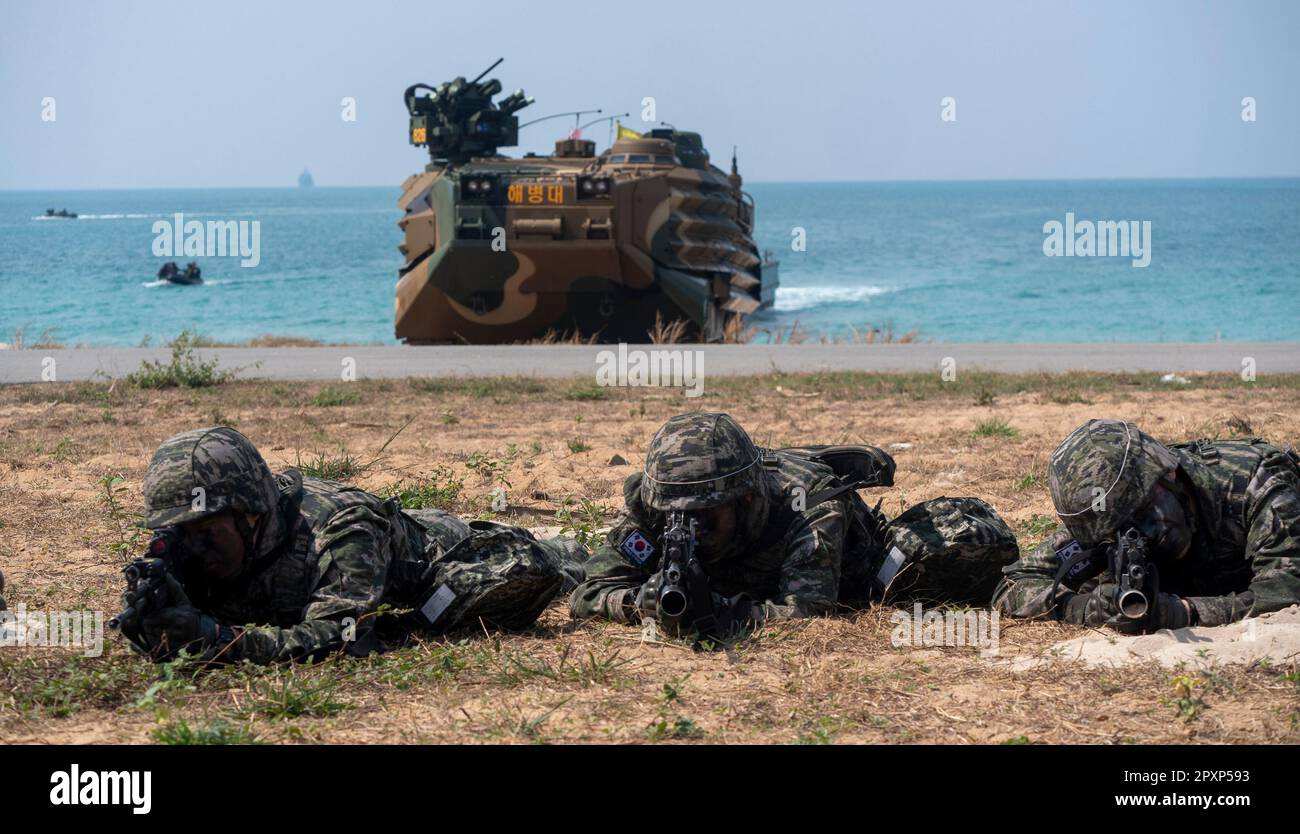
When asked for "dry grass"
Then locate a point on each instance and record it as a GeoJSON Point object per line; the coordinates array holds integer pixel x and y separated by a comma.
{"type": "Point", "coordinates": [266, 340]}
{"type": "Point", "coordinates": [736, 331]}
{"type": "Point", "coordinates": [556, 337]}
{"type": "Point", "coordinates": [796, 335]}
{"type": "Point", "coordinates": [44, 342]}
{"type": "Point", "coordinates": [875, 335]}
{"type": "Point", "coordinates": [273, 341]}
{"type": "Point", "coordinates": [827, 680]}
{"type": "Point", "coordinates": [667, 333]}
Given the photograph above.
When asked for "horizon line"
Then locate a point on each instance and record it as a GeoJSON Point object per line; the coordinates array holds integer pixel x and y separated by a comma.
{"type": "Point", "coordinates": [747, 182]}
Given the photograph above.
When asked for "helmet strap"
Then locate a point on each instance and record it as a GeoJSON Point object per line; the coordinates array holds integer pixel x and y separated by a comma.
{"type": "Point", "coordinates": [249, 535]}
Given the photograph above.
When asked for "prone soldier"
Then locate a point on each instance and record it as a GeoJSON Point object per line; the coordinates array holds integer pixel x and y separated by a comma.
{"type": "Point", "coordinates": [1213, 527]}
{"type": "Point", "coordinates": [720, 536]}
{"type": "Point", "coordinates": [247, 565]}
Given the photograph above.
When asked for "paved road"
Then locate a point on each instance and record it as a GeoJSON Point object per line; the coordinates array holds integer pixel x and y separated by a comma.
{"type": "Point", "coordinates": [569, 360]}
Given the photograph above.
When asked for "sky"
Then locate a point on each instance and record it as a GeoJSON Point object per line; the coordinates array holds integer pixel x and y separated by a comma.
{"type": "Point", "coordinates": [247, 94]}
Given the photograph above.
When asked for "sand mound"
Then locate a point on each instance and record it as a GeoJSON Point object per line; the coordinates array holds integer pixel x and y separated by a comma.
{"type": "Point", "coordinates": [1274, 636]}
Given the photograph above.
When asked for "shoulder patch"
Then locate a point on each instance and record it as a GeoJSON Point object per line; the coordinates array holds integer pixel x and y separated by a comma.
{"type": "Point", "coordinates": [1071, 548]}
{"type": "Point", "coordinates": [889, 568]}
{"type": "Point", "coordinates": [437, 603]}
{"type": "Point", "coordinates": [637, 547]}
{"type": "Point", "coordinates": [1068, 552]}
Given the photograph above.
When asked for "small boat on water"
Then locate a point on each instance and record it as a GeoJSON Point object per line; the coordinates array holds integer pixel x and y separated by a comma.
{"type": "Point", "coordinates": [173, 274]}
{"type": "Point", "coordinates": [71, 215]}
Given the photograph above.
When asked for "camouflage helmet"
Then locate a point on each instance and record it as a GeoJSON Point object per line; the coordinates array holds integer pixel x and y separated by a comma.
{"type": "Point", "coordinates": [1101, 474]}
{"type": "Point", "coordinates": [203, 472]}
{"type": "Point", "coordinates": [700, 460]}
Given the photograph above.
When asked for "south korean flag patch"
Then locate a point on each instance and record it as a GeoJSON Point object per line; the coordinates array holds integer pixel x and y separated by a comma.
{"type": "Point", "coordinates": [637, 547]}
{"type": "Point", "coordinates": [1071, 551]}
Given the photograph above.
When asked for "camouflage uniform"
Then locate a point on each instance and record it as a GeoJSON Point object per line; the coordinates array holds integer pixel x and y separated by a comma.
{"type": "Point", "coordinates": [1244, 557]}
{"type": "Point", "coordinates": [794, 563]}
{"type": "Point", "coordinates": [327, 556]}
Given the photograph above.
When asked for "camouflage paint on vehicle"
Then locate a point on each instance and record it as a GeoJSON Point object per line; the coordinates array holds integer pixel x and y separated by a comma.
{"type": "Point", "coordinates": [502, 249]}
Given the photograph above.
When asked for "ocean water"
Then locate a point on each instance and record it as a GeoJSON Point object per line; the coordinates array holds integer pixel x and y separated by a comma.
{"type": "Point", "coordinates": [951, 261]}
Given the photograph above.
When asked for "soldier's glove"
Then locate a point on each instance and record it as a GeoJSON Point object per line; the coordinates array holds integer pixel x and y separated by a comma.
{"type": "Point", "coordinates": [1173, 612]}
{"type": "Point", "coordinates": [1099, 609]}
{"type": "Point", "coordinates": [646, 602]}
{"type": "Point", "coordinates": [622, 608]}
{"type": "Point", "coordinates": [647, 607]}
{"type": "Point", "coordinates": [179, 626]}
{"type": "Point", "coordinates": [738, 613]}
{"type": "Point", "coordinates": [1081, 609]}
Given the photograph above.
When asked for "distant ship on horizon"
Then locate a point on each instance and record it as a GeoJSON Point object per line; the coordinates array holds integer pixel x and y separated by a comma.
{"type": "Point", "coordinates": [305, 180]}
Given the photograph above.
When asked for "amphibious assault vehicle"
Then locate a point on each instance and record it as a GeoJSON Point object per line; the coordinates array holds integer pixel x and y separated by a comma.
{"type": "Point", "coordinates": [608, 245]}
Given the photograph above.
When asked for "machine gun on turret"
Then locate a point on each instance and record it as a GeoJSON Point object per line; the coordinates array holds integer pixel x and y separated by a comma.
{"type": "Point", "coordinates": [458, 120]}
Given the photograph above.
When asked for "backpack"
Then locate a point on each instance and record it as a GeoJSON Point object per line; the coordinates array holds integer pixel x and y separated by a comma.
{"type": "Point", "coordinates": [948, 549]}
{"type": "Point", "coordinates": [856, 467]}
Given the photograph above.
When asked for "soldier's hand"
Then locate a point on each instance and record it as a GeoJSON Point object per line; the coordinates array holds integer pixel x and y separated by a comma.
{"type": "Point", "coordinates": [179, 626]}
{"type": "Point", "coordinates": [647, 598]}
{"type": "Point", "coordinates": [738, 613]}
{"type": "Point", "coordinates": [169, 630]}
{"type": "Point", "coordinates": [1097, 609]}
{"type": "Point", "coordinates": [129, 626]}
{"type": "Point", "coordinates": [1173, 612]}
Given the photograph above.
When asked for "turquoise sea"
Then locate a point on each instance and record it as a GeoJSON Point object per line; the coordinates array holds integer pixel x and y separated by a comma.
{"type": "Point", "coordinates": [957, 261]}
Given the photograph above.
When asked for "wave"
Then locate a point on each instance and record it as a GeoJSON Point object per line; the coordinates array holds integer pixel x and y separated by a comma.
{"type": "Point", "coordinates": [207, 282]}
{"type": "Point", "coordinates": [789, 299]}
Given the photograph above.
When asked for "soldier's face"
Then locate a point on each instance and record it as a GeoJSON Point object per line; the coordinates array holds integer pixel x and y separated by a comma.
{"type": "Point", "coordinates": [216, 546]}
{"type": "Point", "coordinates": [717, 525]}
{"type": "Point", "coordinates": [1165, 522]}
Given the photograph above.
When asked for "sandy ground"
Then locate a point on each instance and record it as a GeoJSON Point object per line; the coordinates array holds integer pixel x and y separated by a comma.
{"type": "Point", "coordinates": [551, 442]}
{"type": "Point", "coordinates": [1269, 638]}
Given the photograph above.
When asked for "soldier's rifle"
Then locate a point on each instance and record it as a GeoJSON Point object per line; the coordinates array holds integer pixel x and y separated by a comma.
{"type": "Point", "coordinates": [1136, 578]}
{"type": "Point", "coordinates": [685, 601]}
{"type": "Point", "coordinates": [146, 581]}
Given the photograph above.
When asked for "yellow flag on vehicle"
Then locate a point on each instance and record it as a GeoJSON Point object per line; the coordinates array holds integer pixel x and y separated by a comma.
{"type": "Point", "coordinates": [627, 132]}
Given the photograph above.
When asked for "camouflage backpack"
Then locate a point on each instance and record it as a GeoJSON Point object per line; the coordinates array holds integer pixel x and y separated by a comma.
{"type": "Point", "coordinates": [855, 467]}
{"type": "Point", "coordinates": [950, 549]}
